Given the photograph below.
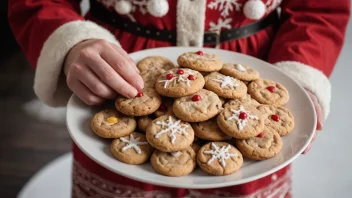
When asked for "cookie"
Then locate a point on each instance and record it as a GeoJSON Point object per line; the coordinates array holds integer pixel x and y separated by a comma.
{"type": "Point", "coordinates": [239, 71]}
{"type": "Point", "coordinates": [198, 107]}
{"type": "Point", "coordinates": [246, 101]}
{"type": "Point", "coordinates": [149, 77]}
{"type": "Point", "coordinates": [112, 124]}
{"type": "Point", "coordinates": [179, 82]}
{"type": "Point", "coordinates": [154, 63]}
{"type": "Point", "coordinates": [266, 145]}
{"type": "Point", "coordinates": [145, 103]}
{"type": "Point", "coordinates": [209, 130]}
{"type": "Point", "coordinates": [268, 92]}
{"type": "Point", "coordinates": [219, 158]}
{"type": "Point", "coordinates": [200, 61]}
{"type": "Point", "coordinates": [165, 108]}
{"type": "Point", "coordinates": [277, 118]}
{"type": "Point", "coordinates": [174, 164]}
{"type": "Point", "coordinates": [169, 134]}
{"type": "Point", "coordinates": [131, 149]}
{"type": "Point", "coordinates": [240, 122]}
{"type": "Point", "coordinates": [143, 123]}
{"type": "Point", "coordinates": [225, 86]}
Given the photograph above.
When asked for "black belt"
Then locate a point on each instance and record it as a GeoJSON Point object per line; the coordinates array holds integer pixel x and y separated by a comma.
{"type": "Point", "coordinates": [100, 12]}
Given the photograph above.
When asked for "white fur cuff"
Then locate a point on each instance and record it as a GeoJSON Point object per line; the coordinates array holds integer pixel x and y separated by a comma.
{"type": "Point", "coordinates": [311, 79]}
{"type": "Point", "coordinates": [49, 83]}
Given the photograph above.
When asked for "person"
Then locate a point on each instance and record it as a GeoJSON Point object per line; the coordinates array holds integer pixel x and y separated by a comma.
{"type": "Point", "coordinates": [88, 55]}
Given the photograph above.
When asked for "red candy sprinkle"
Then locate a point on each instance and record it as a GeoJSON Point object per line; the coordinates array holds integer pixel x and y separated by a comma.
{"type": "Point", "coordinates": [200, 53]}
{"type": "Point", "coordinates": [140, 94]}
{"type": "Point", "coordinates": [271, 89]}
{"type": "Point", "coordinates": [169, 76]}
{"type": "Point", "coordinates": [180, 71]}
{"type": "Point", "coordinates": [275, 118]}
{"type": "Point", "coordinates": [261, 134]}
{"type": "Point", "coordinates": [163, 108]}
{"type": "Point", "coordinates": [196, 98]}
{"type": "Point", "coordinates": [191, 77]}
{"type": "Point", "coordinates": [243, 115]}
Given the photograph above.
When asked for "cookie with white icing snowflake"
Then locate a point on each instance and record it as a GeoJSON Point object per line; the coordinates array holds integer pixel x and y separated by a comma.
{"type": "Point", "coordinates": [268, 92]}
{"type": "Point", "coordinates": [145, 103]}
{"type": "Point", "coordinates": [266, 145]}
{"type": "Point", "coordinates": [240, 71]}
{"type": "Point", "coordinates": [200, 61]}
{"type": "Point", "coordinates": [197, 107]}
{"type": "Point", "coordinates": [225, 86]}
{"type": "Point", "coordinates": [131, 149]}
{"type": "Point", "coordinates": [169, 134]}
{"type": "Point", "coordinates": [179, 82]}
{"type": "Point", "coordinates": [219, 158]}
{"type": "Point", "coordinates": [174, 164]}
{"type": "Point", "coordinates": [110, 123]}
{"type": "Point", "coordinates": [240, 121]}
{"type": "Point", "coordinates": [155, 63]}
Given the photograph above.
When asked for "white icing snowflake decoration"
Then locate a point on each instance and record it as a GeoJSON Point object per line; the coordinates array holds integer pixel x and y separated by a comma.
{"type": "Point", "coordinates": [241, 123]}
{"type": "Point", "coordinates": [179, 78]}
{"type": "Point", "coordinates": [133, 143]}
{"type": "Point", "coordinates": [221, 24]}
{"type": "Point", "coordinates": [241, 68]}
{"type": "Point", "coordinates": [226, 80]}
{"type": "Point", "coordinates": [225, 6]}
{"type": "Point", "coordinates": [221, 154]}
{"type": "Point", "coordinates": [173, 127]}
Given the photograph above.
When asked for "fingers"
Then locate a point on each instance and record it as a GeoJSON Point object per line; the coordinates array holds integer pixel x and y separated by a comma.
{"type": "Point", "coordinates": [90, 80]}
{"type": "Point", "coordinates": [110, 77]}
{"type": "Point", "coordinates": [318, 110]}
{"type": "Point", "coordinates": [125, 55]}
{"type": "Point", "coordinates": [307, 149]}
{"type": "Point", "coordinates": [83, 92]}
{"type": "Point", "coordinates": [310, 144]}
{"type": "Point", "coordinates": [124, 67]}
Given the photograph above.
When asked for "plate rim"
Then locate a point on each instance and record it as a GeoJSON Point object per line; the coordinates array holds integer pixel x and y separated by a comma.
{"type": "Point", "coordinates": [202, 186]}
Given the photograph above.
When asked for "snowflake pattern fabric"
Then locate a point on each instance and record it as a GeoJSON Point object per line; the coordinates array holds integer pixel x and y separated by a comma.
{"type": "Point", "coordinates": [172, 128]}
{"type": "Point", "coordinates": [221, 154]}
{"type": "Point", "coordinates": [241, 123]}
{"type": "Point", "coordinates": [225, 6]}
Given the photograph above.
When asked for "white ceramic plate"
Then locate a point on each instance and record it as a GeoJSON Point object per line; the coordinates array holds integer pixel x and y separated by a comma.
{"type": "Point", "coordinates": [79, 115]}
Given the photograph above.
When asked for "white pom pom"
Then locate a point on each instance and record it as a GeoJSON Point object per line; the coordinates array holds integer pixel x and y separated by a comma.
{"type": "Point", "coordinates": [254, 9]}
{"type": "Point", "coordinates": [158, 8]}
{"type": "Point", "coordinates": [123, 7]}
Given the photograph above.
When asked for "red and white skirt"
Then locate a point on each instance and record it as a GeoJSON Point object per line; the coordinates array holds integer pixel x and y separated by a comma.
{"type": "Point", "coordinates": [90, 180]}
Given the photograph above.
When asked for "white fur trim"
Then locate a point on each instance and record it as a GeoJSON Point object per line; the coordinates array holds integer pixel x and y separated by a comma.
{"type": "Point", "coordinates": [49, 83]}
{"type": "Point", "coordinates": [190, 22]}
{"type": "Point", "coordinates": [311, 79]}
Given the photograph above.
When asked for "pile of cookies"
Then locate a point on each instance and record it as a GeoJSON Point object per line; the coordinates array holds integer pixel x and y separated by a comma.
{"type": "Point", "coordinates": [203, 112]}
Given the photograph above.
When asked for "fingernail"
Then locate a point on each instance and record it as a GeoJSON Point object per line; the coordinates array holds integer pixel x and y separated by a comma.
{"type": "Point", "coordinates": [132, 93]}
{"type": "Point", "coordinates": [139, 84]}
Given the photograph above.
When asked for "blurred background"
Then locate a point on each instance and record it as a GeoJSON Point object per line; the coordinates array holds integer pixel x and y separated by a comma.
{"type": "Point", "coordinates": [30, 138]}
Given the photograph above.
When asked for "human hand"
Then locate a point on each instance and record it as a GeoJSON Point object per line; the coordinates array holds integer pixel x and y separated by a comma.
{"type": "Point", "coordinates": [97, 70]}
{"type": "Point", "coordinates": [320, 118]}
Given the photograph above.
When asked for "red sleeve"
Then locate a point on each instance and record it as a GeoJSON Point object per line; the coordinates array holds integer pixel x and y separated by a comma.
{"type": "Point", "coordinates": [312, 32]}
{"type": "Point", "coordinates": [33, 21]}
